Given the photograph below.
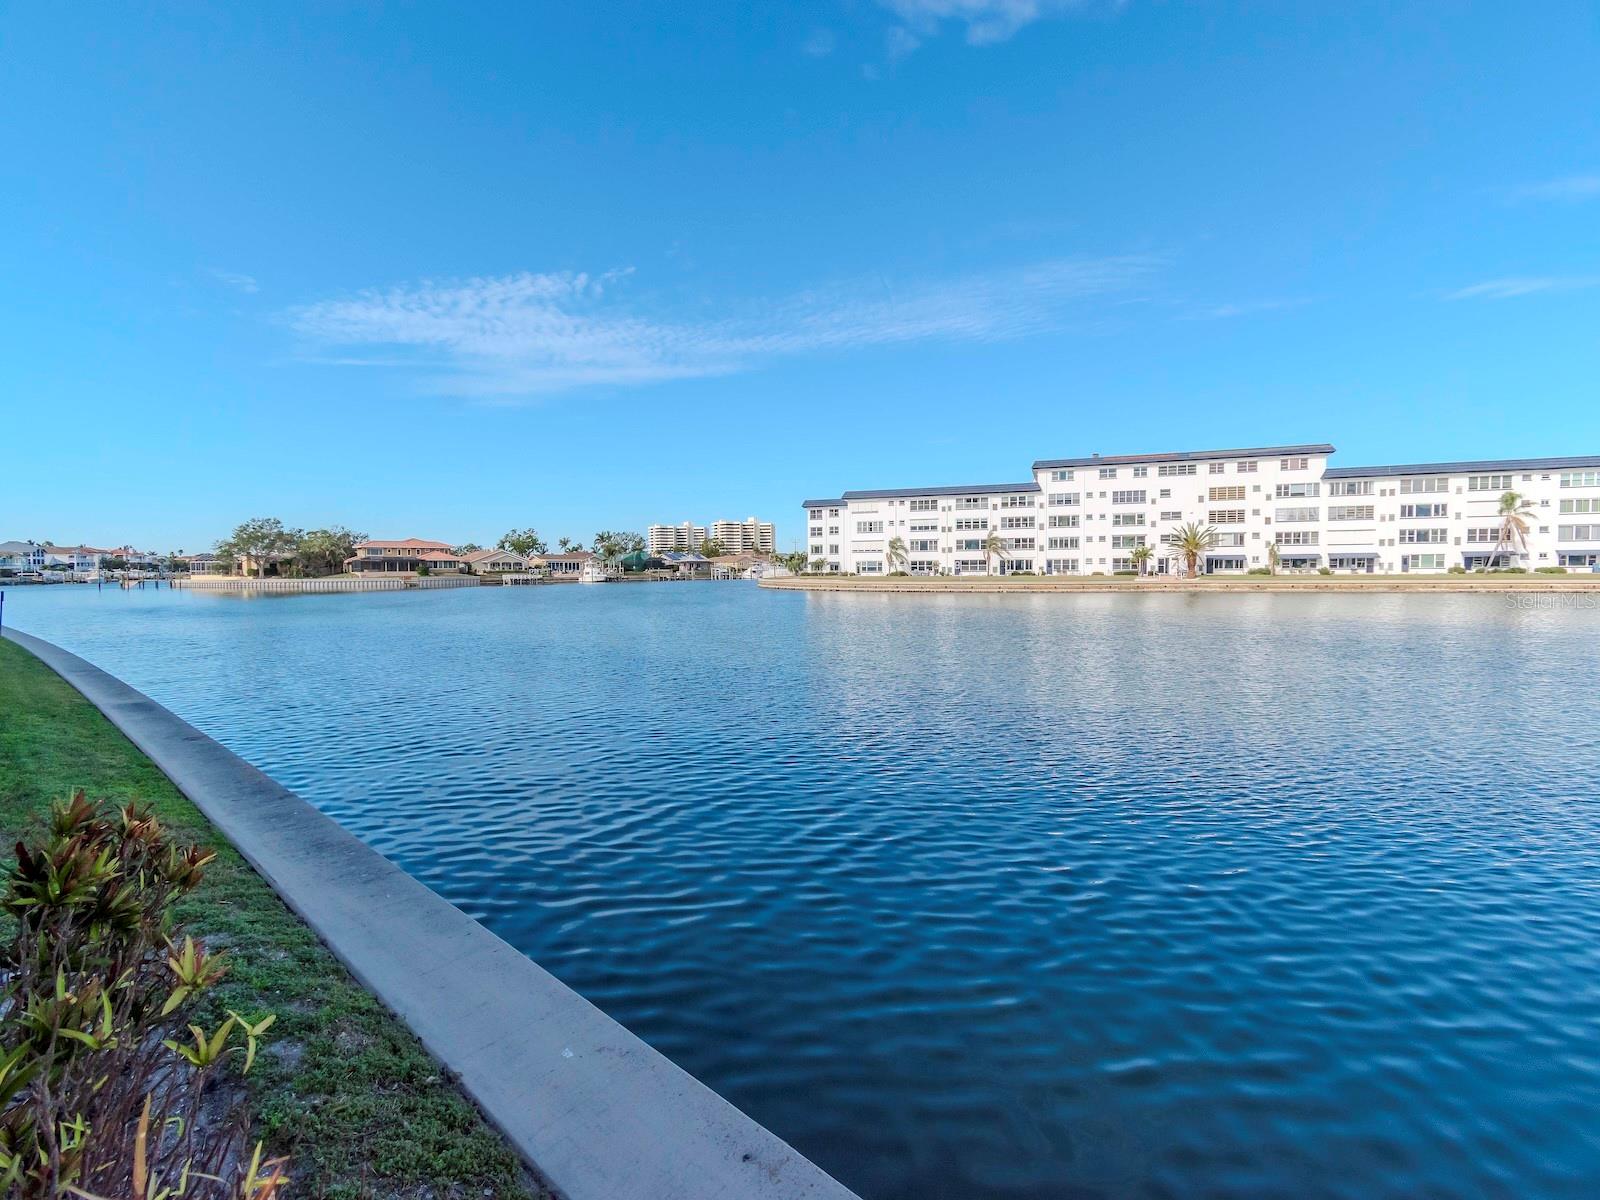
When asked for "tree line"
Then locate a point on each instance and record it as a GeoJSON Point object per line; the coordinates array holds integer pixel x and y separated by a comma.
{"type": "Point", "coordinates": [266, 542]}
{"type": "Point", "coordinates": [607, 544]}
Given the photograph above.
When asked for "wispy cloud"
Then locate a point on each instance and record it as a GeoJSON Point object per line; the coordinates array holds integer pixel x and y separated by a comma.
{"type": "Point", "coordinates": [1527, 285]}
{"type": "Point", "coordinates": [1571, 189]}
{"type": "Point", "coordinates": [531, 334]}
{"type": "Point", "coordinates": [233, 279]}
{"type": "Point", "coordinates": [984, 22]}
{"type": "Point", "coordinates": [819, 43]}
{"type": "Point", "coordinates": [1247, 308]}
{"type": "Point", "coordinates": [898, 42]}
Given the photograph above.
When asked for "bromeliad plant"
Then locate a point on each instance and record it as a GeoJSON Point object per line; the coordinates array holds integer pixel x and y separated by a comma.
{"type": "Point", "coordinates": [102, 1091]}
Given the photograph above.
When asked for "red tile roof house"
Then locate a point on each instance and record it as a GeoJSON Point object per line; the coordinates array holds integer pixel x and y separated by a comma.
{"type": "Point", "coordinates": [134, 558]}
{"type": "Point", "coordinates": [403, 556]}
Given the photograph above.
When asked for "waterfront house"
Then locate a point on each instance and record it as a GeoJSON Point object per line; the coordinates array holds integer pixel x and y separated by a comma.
{"type": "Point", "coordinates": [442, 560]}
{"type": "Point", "coordinates": [568, 565]}
{"type": "Point", "coordinates": [683, 562]}
{"type": "Point", "coordinates": [1088, 515]}
{"type": "Point", "coordinates": [406, 555]}
{"type": "Point", "coordinates": [741, 562]}
{"type": "Point", "coordinates": [19, 557]}
{"type": "Point", "coordinates": [137, 560]}
{"type": "Point", "coordinates": [495, 562]}
{"type": "Point", "coordinates": [740, 566]}
{"type": "Point", "coordinates": [134, 562]}
{"type": "Point", "coordinates": [79, 562]}
{"type": "Point", "coordinates": [252, 564]}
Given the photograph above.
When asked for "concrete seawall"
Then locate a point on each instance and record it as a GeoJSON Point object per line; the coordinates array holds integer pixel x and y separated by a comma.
{"type": "Point", "coordinates": [393, 582]}
{"type": "Point", "coordinates": [595, 1110]}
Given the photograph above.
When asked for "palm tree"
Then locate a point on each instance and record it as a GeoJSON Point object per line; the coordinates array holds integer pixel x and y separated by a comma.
{"type": "Point", "coordinates": [994, 546]}
{"type": "Point", "coordinates": [1190, 541]}
{"type": "Point", "coordinates": [1515, 510]}
{"type": "Point", "coordinates": [819, 566]}
{"type": "Point", "coordinates": [896, 553]}
{"type": "Point", "coordinates": [1273, 557]}
{"type": "Point", "coordinates": [1141, 557]}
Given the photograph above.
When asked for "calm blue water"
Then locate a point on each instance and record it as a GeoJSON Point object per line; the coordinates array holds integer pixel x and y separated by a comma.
{"type": "Point", "coordinates": [1013, 897]}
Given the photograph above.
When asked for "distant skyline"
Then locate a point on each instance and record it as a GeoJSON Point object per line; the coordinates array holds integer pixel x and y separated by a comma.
{"type": "Point", "coordinates": [434, 272]}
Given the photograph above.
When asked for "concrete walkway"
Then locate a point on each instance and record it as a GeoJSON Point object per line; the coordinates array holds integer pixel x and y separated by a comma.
{"type": "Point", "coordinates": [598, 1113]}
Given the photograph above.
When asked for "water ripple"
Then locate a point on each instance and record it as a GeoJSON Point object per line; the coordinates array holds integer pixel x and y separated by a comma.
{"type": "Point", "coordinates": [1011, 897]}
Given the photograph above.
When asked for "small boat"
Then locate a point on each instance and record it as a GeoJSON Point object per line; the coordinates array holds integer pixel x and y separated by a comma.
{"type": "Point", "coordinates": [593, 572]}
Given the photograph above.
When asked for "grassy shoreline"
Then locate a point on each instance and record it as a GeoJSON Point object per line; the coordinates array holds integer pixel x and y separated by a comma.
{"type": "Point", "coordinates": [346, 1090]}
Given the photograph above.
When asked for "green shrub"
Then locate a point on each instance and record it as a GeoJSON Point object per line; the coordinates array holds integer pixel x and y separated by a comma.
{"type": "Point", "coordinates": [899, 574]}
{"type": "Point", "coordinates": [1324, 570]}
{"type": "Point", "coordinates": [101, 1087]}
{"type": "Point", "coordinates": [1458, 569]}
{"type": "Point", "coordinates": [1124, 572]}
{"type": "Point", "coordinates": [1552, 570]}
{"type": "Point", "coordinates": [1259, 571]}
{"type": "Point", "coordinates": [1019, 574]}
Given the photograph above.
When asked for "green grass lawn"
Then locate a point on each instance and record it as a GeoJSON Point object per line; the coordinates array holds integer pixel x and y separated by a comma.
{"type": "Point", "coordinates": [346, 1090]}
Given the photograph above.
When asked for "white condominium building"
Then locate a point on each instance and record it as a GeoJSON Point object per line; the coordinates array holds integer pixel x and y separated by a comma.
{"type": "Point", "coordinates": [1083, 516]}
{"type": "Point", "coordinates": [661, 538]}
{"type": "Point", "coordinates": [943, 530]}
{"type": "Point", "coordinates": [1433, 516]}
{"type": "Point", "coordinates": [735, 537]}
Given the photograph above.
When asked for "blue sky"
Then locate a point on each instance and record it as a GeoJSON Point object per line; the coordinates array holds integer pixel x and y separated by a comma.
{"type": "Point", "coordinates": [438, 271]}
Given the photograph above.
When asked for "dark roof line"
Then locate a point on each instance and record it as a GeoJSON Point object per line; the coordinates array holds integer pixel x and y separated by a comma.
{"type": "Point", "coordinates": [839, 503]}
{"type": "Point", "coordinates": [971, 489]}
{"type": "Point", "coordinates": [1122, 460]}
{"type": "Point", "coordinates": [1466, 468]}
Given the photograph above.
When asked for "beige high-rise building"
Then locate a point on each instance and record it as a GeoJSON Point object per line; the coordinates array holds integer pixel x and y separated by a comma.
{"type": "Point", "coordinates": [686, 536]}
{"type": "Point", "coordinates": [735, 537]}
{"type": "Point", "coordinates": [749, 536]}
